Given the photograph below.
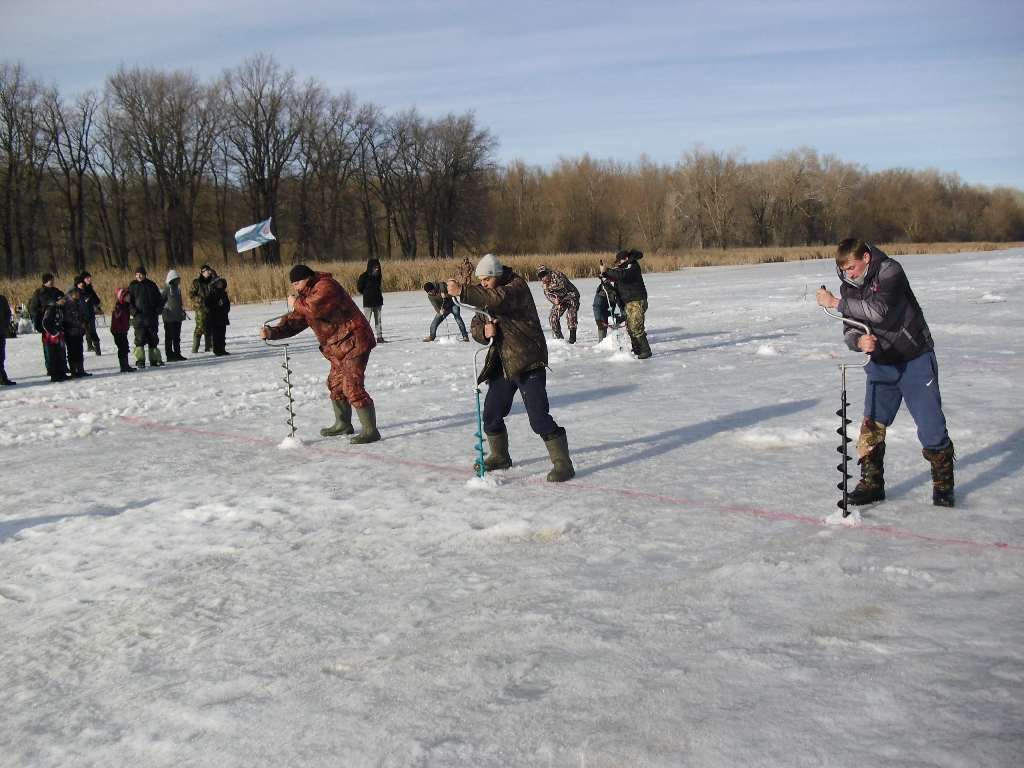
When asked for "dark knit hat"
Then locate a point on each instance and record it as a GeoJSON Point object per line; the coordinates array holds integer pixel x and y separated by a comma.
{"type": "Point", "coordinates": [204, 268]}
{"type": "Point", "coordinates": [428, 287]}
{"type": "Point", "coordinates": [140, 270]}
{"type": "Point", "coordinates": [47, 277]}
{"type": "Point", "coordinates": [299, 272]}
{"type": "Point", "coordinates": [85, 274]}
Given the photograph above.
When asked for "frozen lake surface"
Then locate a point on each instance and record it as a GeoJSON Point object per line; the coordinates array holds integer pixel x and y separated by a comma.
{"type": "Point", "coordinates": [177, 589]}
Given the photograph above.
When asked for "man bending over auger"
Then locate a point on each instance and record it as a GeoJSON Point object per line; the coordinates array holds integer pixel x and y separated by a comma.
{"type": "Point", "coordinates": [515, 362]}
{"type": "Point", "coordinates": [346, 339]}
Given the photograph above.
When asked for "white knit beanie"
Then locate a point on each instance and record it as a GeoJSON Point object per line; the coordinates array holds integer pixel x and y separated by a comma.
{"type": "Point", "coordinates": [489, 266]}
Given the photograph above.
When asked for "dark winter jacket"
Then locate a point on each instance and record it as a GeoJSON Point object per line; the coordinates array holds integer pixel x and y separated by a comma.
{"type": "Point", "coordinates": [629, 278]}
{"type": "Point", "coordinates": [90, 297]}
{"type": "Point", "coordinates": [218, 305]}
{"type": "Point", "coordinates": [337, 322]}
{"type": "Point", "coordinates": [519, 344]}
{"type": "Point", "coordinates": [75, 322]}
{"type": "Point", "coordinates": [368, 285]}
{"type": "Point", "coordinates": [41, 299]}
{"type": "Point", "coordinates": [120, 316]}
{"type": "Point", "coordinates": [441, 301]}
{"type": "Point", "coordinates": [53, 322]}
{"type": "Point", "coordinates": [174, 307]}
{"type": "Point", "coordinates": [5, 317]}
{"type": "Point", "coordinates": [606, 292]}
{"type": "Point", "coordinates": [887, 305]}
{"type": "Point", "coordinates": [147, 303]}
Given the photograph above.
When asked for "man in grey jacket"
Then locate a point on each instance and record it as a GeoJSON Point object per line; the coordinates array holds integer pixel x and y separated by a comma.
{"type": "Point", "coordinates": [875, 291]}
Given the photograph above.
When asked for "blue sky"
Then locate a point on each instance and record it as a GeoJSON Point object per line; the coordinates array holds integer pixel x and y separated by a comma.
{"type": "Point", "coordinates": [911, 84]}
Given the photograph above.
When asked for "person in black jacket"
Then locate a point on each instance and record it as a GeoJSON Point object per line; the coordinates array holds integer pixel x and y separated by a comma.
{"type": "Point", "coordinates": [90, 297]}
{"type": "Point", "coordinates": [75, 328]}
{"type": "Point", "coordinates": [875, 291]}
{"type": "Point", "coordinates": [629, 280]}
{"type": "Point", "coordinates": [45, 295]}
{"type": "Point", "coordinates": [5, 326]}
{"type": "Point", "coordinates": [218, 306]}
{"type": "Point", "coordinates": [52, 324]}
{"type": "Point", "coordinates": [368, 285]}
{"type": "Point", "coordinates": [146, 304]}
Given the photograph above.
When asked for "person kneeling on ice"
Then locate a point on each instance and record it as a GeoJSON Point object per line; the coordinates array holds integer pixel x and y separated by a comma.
{"type": "Point", "coordinates": [516, 360]}
{"type": "Point", "coordinates": [346, 339]}
{"type": "Point", "coordinates": [443, 307]}
{"type": "Point", "coordinates": [876, 292]}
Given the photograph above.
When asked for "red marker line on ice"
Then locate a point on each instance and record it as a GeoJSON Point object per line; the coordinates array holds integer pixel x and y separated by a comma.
{"type": "Point", "coordinates": [757, 511]}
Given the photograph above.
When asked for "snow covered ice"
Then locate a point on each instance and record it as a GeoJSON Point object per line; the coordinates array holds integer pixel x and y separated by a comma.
{"type": "Point", "coordinates": [174, 589]}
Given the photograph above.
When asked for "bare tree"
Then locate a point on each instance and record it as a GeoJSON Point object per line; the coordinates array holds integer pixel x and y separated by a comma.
{"type": "Point", "coordinates": [25, 149]}
{"type": "Point", "coordinates": [263, 121]}
{"type": "Point", "coordinates": [172, 122]}
{"type": "Point", "coordinates": [71, 128]}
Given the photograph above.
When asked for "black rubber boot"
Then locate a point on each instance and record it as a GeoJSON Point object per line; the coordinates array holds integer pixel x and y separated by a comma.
{"type": "Point", "coordinates": [572, 335]}
{"type": "Point", "coordinates": [942, 475]}
{"type": "Point", "coordinates": [558, 449]}
{"type": "Point", "coordinates": [871, 487]}
{"type": "Point", "coordinates": [645, 349]}
{"type": "Point", "coordinates": [368, 422]}
{"type": "Point", "coordinates": [601, 333]}
{"type": "Point", "coordinates": [498, 458]}
{"type": "Point", "coordinates": [342, 420]}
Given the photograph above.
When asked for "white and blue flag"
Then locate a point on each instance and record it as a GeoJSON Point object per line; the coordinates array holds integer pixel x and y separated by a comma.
{"type": "Point", "coordinates": [248, 238]}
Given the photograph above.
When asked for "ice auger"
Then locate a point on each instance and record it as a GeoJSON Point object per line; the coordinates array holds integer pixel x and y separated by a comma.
{"type": "Point", "coordinates": [287, 377]}
{"type": "Point", "coordinates": [479, 434]}
{"type": "Point", "coordinates": [844, 439]}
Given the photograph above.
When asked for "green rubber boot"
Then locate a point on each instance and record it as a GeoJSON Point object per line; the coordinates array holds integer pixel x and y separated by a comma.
{"type": "Point", "coordinates": [342, 420]}
{"type": "Point", "coordinates": [368, 422]}
{"type": "Point", "coordinates": [155, 358]}
{"type": "Point", "coordinates": [498, 458]}
{"type": "Point", "coordinates": [558, 449]}
{"type": "Point", "coordinates": [139, 356]}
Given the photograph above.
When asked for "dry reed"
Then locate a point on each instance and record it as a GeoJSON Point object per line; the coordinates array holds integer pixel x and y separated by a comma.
{"type": "Point", "coordinates": [251, 284]}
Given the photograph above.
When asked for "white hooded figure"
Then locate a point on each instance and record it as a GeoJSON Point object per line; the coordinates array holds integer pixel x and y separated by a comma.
{"type": "Point", "coordinates": [173, 316]}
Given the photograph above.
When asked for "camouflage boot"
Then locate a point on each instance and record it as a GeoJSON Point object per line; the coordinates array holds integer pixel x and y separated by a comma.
{"type": "Point", "coordinates": [342, 420]}
{"type": "Point", "coordinates": [498, 458]}
{"type": "Point", "coordinates": [558, 449]}
{"type": "Point", "coordinates": [871, 449]}
{"type": "Point", "coordinates": [368, 422]}
{"type": "Point", "coordinates": [942, 475]}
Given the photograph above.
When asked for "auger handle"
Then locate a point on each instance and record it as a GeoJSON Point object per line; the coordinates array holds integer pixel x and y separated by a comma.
{"type": "Point", "coordinates": [266, 324]}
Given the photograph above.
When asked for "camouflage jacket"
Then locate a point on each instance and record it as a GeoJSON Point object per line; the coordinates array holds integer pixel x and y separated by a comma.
{"type": "Point", "coordinates": [519, 345]}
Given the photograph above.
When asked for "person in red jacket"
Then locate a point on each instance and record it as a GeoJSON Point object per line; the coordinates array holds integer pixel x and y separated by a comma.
{"type": "Point", "coordinates": [120, 323]}
{"type": "Point", "coordinates": [346, 339]}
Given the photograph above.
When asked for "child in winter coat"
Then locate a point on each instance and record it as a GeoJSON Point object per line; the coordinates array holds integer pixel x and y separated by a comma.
{"type": "Point", "coordinates": [218, 305]}
{"type": "Point", "coordinates": [75, 326]}
{"type": "Point", "coordinates": [120, 322]}
{"type": "Point", "coordinates": [173, 316]}
{"type": "Point", "coordinates": [52, 324]}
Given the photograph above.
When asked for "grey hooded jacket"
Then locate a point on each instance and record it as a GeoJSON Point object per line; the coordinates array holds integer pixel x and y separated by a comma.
{"type": "Point", "coordinates": [886, 304]}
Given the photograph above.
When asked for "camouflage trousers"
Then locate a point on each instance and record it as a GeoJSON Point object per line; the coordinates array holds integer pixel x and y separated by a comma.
{"type": "Point", "coordinates": [569, 307]}
{"type": "Point", "coordinates": [635, 311]}
{"type": "Point", "coordinates": [346, 381]}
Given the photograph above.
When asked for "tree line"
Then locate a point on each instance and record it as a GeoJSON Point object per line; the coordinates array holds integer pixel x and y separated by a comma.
{"type": "Point", "coordinates": [160, 163]}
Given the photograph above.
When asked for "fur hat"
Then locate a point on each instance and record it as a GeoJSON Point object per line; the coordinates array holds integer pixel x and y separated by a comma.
{"type": "Point", "coordinates": [489, 266]}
